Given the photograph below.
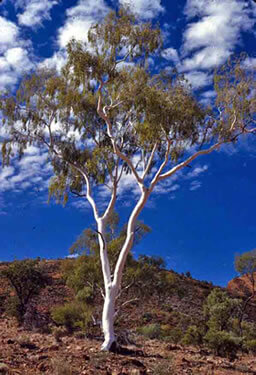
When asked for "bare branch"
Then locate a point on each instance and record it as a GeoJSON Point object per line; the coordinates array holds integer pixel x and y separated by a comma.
{"type": "Point", "coordinates": [104, 116]}
{"type": "Point", "coordinates": [162, 166]}
{"type": "Point", "coordinates": [76, 194]}
{"type": "Point", "coordinates": [150, 161]}
{"type": "Point", "coordinates": [233, 123]}
{"type": "Point", "coordinates": [189, 160]}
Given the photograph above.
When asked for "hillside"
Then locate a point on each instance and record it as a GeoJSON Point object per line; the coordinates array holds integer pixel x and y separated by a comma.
{"type": "Point", "coordinates": [35, 348]}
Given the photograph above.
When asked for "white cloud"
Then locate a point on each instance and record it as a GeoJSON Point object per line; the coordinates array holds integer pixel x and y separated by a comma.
{"type": "Point", "coordinates": [207, 58]}
{"type": "Point", "coordinates": [171, 54]}
{"type": "Point", "coordinates": [216, 33]}
{"type": "Point", "coordinates": [197, 171]}
{"type": "Point", "coordinates": [195, 185]}
{"type": "Point", "coordinates": [79, 20]}
{"type": "Point", "coordinates": [250, 63]}
{"type": "Point", "coordinates": [209, 94]}
{"type": "Point", "coordinates": [31, 171]}
{"type": "Point", "coordinates": [198, 79]}
{"type": "Point", "coordinates": [14, 54]}
{"type": "Point", "coordinates": [145, 9]}
{"type": "Point", "coordinates": [35, 11]}
{"type": "Point", "coordinates": [18, 59]}
{"type": "Point", "coordinates": [57, 61]}
{"type": "Point", "coordinates": [9, 34]}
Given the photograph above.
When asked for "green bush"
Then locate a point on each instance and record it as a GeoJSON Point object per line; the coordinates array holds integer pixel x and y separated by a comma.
{"type": "Point", "coordinates": [174, 335]}
{"type": "Point", "coordinates": [26, 279]}
{"type": "Point", "coordinates": [13, 308]}
{"type": "Point", "coordinates": [249, 330]}
{"type": "Point", "coordinates": [72, 315]}
{"type": "Point", "coordinates": [223, 343]}
{"type": "Point", "coordinates": [193, 336]}
{"type": "Point", "coordinates": [250, 345]}
{"type": "Point", "coordinates": [151, 331]}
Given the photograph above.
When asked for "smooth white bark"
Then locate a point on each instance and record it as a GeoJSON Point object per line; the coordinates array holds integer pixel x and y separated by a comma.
{"type": "Point", "coordinates": [108, 316]}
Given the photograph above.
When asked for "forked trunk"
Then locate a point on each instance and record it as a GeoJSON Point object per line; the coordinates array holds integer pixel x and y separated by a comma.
{"type": "Point", "coordinates": [112, 287]}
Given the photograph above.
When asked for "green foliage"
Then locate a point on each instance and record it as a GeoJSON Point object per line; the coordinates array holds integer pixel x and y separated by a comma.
{"type": "Point", "coordinates": [221, 314]}
{"type": "Point", "coordinates": [250, 345]}
{"type": "Point", "coordinates": [223, 343]}
{"type": "Point", "coordinates": [249, 330]}
{"type": "Point", "coordinates": [151, 331]}
{"type": "Point", "coordinates": [26, 278]}
{"type": "Point", "coordinates": [158, 103]}
{"type": "Point", "coordinates": [174, 334]}
{"type": "Point", "coordinates": [72, 315]}
{"type": "Point", "coordinates": [193, 336]}
{"type": "Point", "coordinates": [246, 263]}
{"type": "Point", "coordinates": [219, 309]}
{"type": "Point", "coordinates": [14, 308]}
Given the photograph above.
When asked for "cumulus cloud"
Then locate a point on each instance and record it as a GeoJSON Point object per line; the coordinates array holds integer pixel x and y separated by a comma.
{"type": "Point", "coordinates": [79, 20]}
{"type": "Point", "coordinates": [9, 34]}
{"type": "Point", "coordinates": [198, 79]}
{"type": "Point", "coordinates": [31, 171]}
{"type": "Point", "coordinates": [34, 11]}
{"type": "Point", "coordinates": [14, 54]}
{"type": "Point", "coordinates": [77, 24]}
{"type": "Point", "coordinates": [145, 9]}
{"type": "Point", "coordinates": [57, 61]}
{"type": "Point", "coordinates": [171, 54]}
{"type": "Point", "coordinates": [212, 38]}
{"type": "Point", "coordinates": [250, 63]}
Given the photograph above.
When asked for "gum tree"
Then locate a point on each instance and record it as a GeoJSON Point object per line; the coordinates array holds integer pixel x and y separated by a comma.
{"type": "Point", "coordinates": [111, 112]}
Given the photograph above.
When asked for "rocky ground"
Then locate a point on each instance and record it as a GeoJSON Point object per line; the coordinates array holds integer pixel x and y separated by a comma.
{"type": "Point", "coordinates": [27, 353]}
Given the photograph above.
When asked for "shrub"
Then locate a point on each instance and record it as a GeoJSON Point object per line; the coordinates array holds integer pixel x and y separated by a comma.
{"type": "Point", "coordinates": [249, 330]}
{"type": "Point", "coordinates": [174, 335]}
{"type": "Point", "coordinates": [223, 343]}
{"type": "Point", "coordinates": [13, 308]}
{"type": "Point", "coordinates": [72, 315]}
{"type": "Point", "coordinates": [26, 279]}
{"type": "Point", "coordinates": [250, 345]}
{"type": "Point", "coordinates": [151, 331]}
{"type": "Point", "coordinates": [193, 336]}
{"type": "Point", "coordinates": [219, 310]}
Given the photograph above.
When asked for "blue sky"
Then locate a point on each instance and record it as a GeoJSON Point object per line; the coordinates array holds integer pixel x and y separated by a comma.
{"type": "Point", "coordinates": [200, 218]}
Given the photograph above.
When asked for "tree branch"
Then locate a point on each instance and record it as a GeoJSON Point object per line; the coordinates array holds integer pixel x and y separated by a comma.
{"type": "Point", "coordinates": [150, 161]}
{"type": "Point", "coordinates": [162, 166]}
{"type": "Point", "coordinates": [189, 160]}
{"type": "Point", "coordinates": [104, 116]}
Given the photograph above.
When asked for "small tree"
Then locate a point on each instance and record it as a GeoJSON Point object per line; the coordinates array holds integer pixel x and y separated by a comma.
{"type": "Point", "coordinates": [220, 311]}
{"type": "Point", "coordinates": [130, 116]}
{"type": "Point", "coordinates": [26, 278]}
{"type": "Point", "coordinates": [245, 265]}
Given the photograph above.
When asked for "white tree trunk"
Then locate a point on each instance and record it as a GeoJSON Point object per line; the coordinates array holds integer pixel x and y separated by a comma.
{"type": "Point", "coordinates": [112, 289]}
{"type": "Point", "coordinates": [108, 317]}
